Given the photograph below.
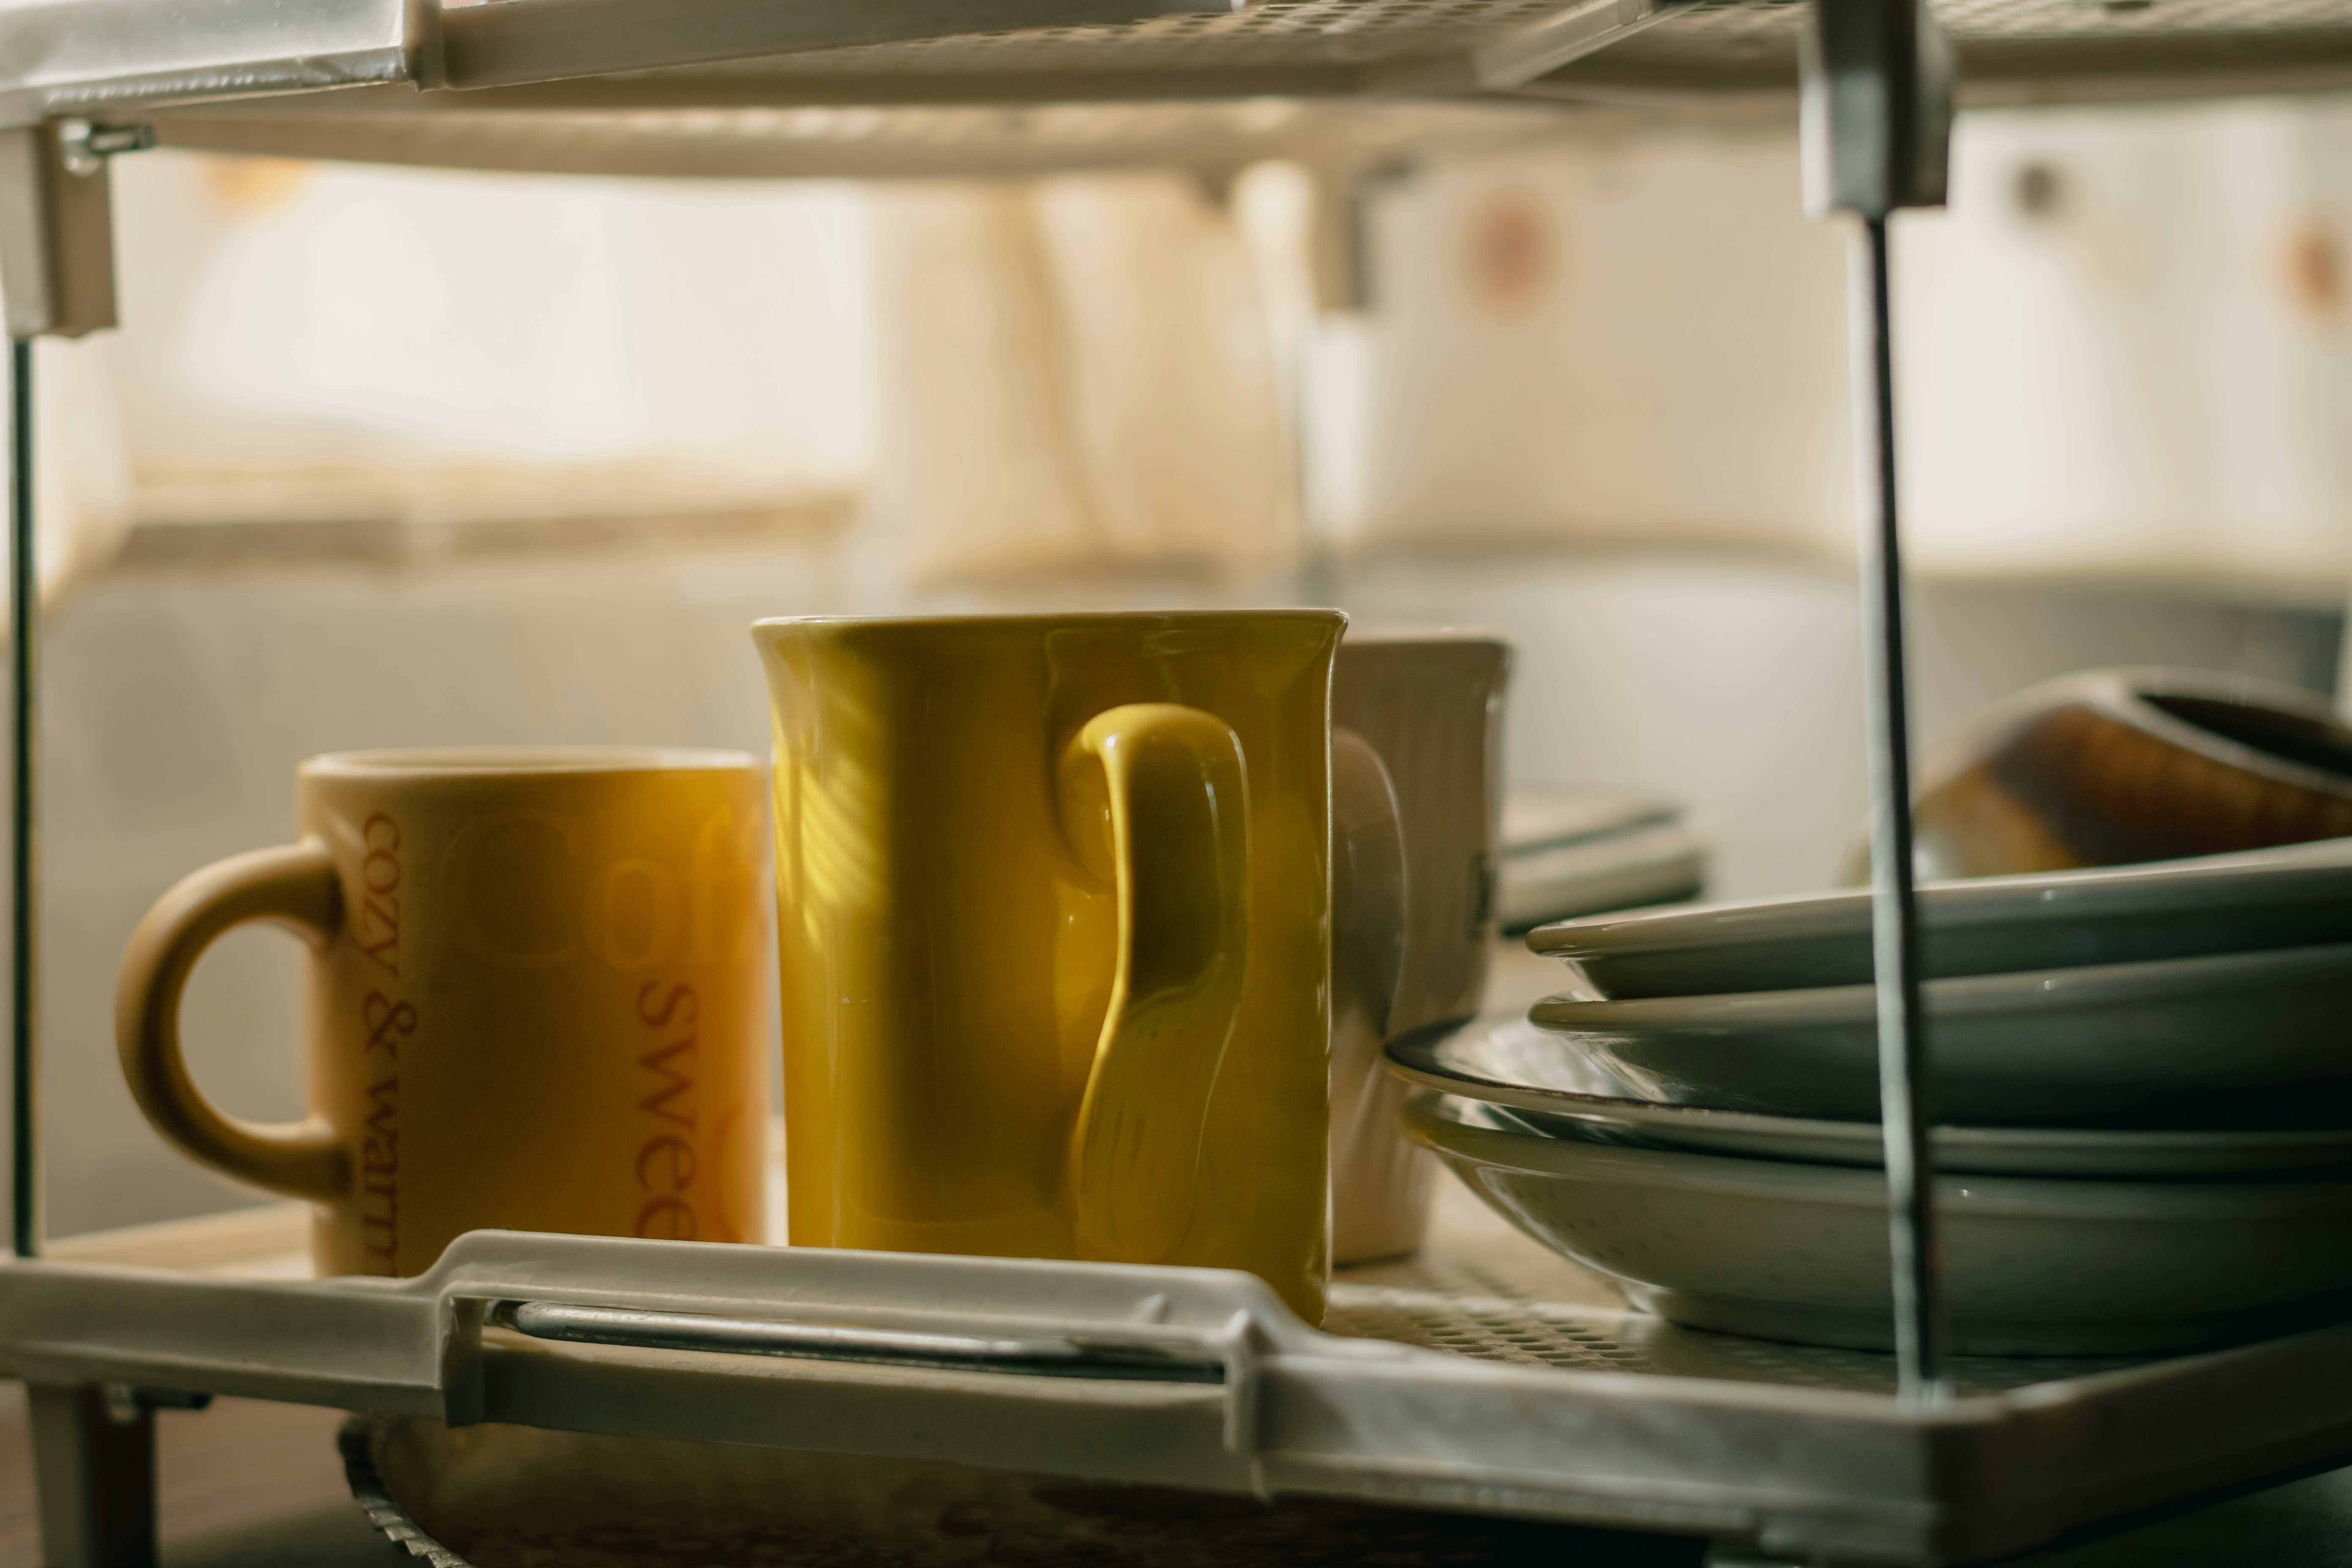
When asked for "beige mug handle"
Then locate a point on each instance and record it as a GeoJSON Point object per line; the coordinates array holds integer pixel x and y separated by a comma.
{"type": "Point", "coordinates": [295, 886]}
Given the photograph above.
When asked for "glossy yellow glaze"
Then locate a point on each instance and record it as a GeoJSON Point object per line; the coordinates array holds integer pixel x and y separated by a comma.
{"type": "Point", "coordinates": [1053, 909]}
{"type": "Point", "coordinates": [535, 1001]}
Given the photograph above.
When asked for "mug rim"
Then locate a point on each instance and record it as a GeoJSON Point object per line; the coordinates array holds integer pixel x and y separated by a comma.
{"type": "Point", "coordinates": [490, 762]}
{"type": "Point", "coordinates": [1055, 617]}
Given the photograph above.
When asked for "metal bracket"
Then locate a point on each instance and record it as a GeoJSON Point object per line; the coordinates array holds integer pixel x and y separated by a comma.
{"type": "Point", "coordinates": [94, 1470]}
{"type": "Point", "coordinates": [84, 147]}
{"type": "Point", "coordinates": [56, 227]}
{"type": "Point", "coordinates": [1876, 107]}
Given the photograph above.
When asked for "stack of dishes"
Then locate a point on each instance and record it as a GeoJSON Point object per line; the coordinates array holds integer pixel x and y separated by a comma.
{"type": "Point", "coordinates": [2142, 1078]}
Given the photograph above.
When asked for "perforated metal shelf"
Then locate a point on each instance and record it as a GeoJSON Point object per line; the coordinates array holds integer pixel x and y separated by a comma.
{"type": "Point", "coordinates": [1482, 1290]}
{"type": "Point", "coordinates": [2009, 49]}
{"type": "Point", "coordinates": [1375, 45]}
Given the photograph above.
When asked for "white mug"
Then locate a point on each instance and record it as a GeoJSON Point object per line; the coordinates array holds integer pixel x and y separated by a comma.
{"type": "Point", "coordinates": [1429, 706]}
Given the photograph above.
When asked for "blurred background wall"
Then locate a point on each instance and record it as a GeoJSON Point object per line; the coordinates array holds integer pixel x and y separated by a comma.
{"type": "Point", "coordinates": [385, 457]}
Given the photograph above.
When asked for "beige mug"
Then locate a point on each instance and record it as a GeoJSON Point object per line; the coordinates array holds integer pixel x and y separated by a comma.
{"type": "Point", "coordinates": [535, 999]}
{"type": "Point", "coordinates": [1413, 901]}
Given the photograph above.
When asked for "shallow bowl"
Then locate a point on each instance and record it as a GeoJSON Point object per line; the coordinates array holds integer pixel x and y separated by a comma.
{"type": "Point", "coordinates": [1798, 1252]}
{"type": "Point", "coordinates": [1549, 1085]}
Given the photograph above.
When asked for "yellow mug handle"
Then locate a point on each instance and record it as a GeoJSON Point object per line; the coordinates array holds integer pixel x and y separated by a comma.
{"type": "Point", "coordinates": [295, 886]}
{"type": "Point", "coordinates": [1154, 801]}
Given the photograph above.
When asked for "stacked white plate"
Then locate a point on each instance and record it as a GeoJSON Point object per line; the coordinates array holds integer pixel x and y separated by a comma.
{"type": "Point", "coordinates": [2142, 1079]}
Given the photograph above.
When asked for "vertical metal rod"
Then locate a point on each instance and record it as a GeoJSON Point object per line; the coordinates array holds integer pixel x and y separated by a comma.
{"type": "Point", "coordinates": [24, 638]}
{"type": "Point", "coordinates": [1903, 1078]}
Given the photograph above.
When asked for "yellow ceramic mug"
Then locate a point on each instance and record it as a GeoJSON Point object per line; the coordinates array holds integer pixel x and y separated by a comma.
{"type": "Point", "coordinates": [1053, 903]}
{"type": "Point", "coordinates": [534, 1000]}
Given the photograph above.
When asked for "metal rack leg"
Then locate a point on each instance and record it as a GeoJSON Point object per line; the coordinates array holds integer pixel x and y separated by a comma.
{"type": "Point", "coordinates": [94, 1472]}
{"type": "Point", "coordinates": [1877, 114]}
{"type": "Point", "coordinates": [24, 639]}
{"type": "Point", "coordinates": [1894, 930]}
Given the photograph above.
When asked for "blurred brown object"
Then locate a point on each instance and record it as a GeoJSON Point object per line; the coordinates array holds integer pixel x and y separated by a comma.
{"type": "Point", "coordinates": [2114, 766]}
{"type": "Point", "coordinates": [514, 1497]}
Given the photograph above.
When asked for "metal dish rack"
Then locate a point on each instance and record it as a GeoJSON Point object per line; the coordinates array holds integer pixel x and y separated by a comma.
{"type": "Point", "coordinates": [1485, 1376]}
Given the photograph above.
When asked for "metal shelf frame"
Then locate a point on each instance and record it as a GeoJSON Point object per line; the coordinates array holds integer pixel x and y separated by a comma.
{"type": "Point", "coordinates": [696, 87]}
{"type": "Point", "coordinates": [1191, 1378]}
{"type": "Point", "coordinates": [1184, 1378]}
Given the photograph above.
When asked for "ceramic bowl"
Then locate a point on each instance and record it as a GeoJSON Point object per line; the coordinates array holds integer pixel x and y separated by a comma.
{"type": "Point", "coordinates": [1798, 1252]}
{"type": "Point", "coordinates": [2120, 765]}
{"type": "Point", "coordinates": [2255, 1039]}
{"type": "Point", "coordinates": [2295, 897]}
{"type": "Point", "coordinates": [1551, 1087]}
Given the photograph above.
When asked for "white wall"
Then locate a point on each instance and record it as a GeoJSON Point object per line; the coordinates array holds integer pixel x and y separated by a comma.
{"type": "Point", "coordinates": [2126, 347]}
{"type": "Point", "coordinates": [1733, 688]}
